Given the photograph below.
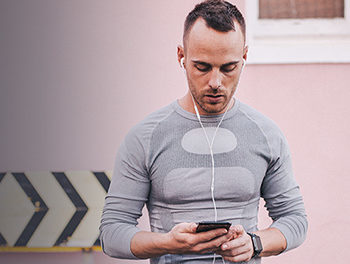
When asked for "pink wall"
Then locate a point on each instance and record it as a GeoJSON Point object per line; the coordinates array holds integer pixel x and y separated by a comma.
{"type": "Point", "coordinates": [76, 75]}
{"type": "Point", "coordinates": [310, 104]}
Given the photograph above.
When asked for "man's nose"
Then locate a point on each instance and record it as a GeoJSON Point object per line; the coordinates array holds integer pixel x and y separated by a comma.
{"type": "Point", "coordinates": [215, 79]}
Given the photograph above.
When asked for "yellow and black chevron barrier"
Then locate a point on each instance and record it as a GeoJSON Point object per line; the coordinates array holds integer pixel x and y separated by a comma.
{"type": "Point", "coordinates": [51, 211]}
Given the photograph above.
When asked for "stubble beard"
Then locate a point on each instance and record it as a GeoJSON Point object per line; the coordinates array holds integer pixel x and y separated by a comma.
{"type": "Point", "coordinates": [214, 110]}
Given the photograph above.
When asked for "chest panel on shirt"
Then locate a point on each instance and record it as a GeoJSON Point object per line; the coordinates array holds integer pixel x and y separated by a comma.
{"type": "Point", "coordinates": [192, 186]}
{"type": "Point", "coordinates": [181, 161]}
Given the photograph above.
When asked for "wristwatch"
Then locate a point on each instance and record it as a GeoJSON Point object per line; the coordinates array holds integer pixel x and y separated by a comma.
{"type": "Point", "coordinates": [257, 246]}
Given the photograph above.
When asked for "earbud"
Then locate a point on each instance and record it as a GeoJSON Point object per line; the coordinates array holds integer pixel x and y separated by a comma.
{"type": "Point", "coordinates": [182, 63]}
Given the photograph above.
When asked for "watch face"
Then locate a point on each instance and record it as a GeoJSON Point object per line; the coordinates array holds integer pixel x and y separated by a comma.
{"type": "Point", "coordinates": [257, 246]}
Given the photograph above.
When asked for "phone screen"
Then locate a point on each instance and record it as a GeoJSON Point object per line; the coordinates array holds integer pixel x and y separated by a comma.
{"type": "Point", "coordinates": [206, 226]}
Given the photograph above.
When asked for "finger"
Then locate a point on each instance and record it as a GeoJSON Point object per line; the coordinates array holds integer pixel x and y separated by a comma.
{"type": "Point", "coordinates": [212, 245]}
{"type": "Point", "coordinates": [238, 258]}
{"type": "Point", "coordinates": [236, 251]}
{"type": "Point", "coordinates": [231, 234]}
{"type": "Point", "coordinates": [238, 230]}
{"type": "Point", "coordinates": [242, 241]}
{"type": "Point", "coordinates": [221, 240]}
{"type": "Point", "coordinates": [193, 227]}
{"type": "Point", "coordinates": [187, 227]}
{"type": "Point", "coordinates": [211, 234]}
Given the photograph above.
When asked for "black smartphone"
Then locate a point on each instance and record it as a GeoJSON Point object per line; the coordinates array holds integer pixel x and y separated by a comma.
{"type": "Point", "coordinates": [206, 226]}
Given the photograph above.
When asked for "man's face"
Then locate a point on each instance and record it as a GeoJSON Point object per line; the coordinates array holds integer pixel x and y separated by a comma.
{"type": "Point", "coordinates": [213, 62]}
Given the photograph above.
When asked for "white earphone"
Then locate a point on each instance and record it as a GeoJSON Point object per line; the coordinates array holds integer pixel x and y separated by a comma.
{"type": "Point", "coordinates": [183, 64]}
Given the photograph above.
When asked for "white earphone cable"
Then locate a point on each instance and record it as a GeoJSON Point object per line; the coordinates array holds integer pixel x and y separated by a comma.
{"type": "Point", "coordinates": [210, 144]}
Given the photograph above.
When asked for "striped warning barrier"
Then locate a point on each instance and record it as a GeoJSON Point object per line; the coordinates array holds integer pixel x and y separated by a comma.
{"type": "Point", "coordinates": [51, 209]}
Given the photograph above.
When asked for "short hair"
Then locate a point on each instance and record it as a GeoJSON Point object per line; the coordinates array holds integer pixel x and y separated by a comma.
{"type": "Point", "coordinates": [218, 14]}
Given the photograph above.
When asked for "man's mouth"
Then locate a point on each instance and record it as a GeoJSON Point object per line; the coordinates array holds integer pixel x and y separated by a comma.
{"type": "Point", "coordinates": [214, 98]}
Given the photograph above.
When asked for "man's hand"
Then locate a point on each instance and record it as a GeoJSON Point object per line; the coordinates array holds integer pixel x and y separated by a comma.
{"type": "Point", "coordinates": [240, 248]}
{"type": "Point", "coordinates": [184, 239]}
{"type": "Point", "coordinates": [234, 245]}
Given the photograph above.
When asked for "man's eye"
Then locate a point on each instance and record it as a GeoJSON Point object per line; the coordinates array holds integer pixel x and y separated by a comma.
{"type": "Point", "coordinates": [228, 69]}
{"type": "Point", "coordinates": [202, 68]}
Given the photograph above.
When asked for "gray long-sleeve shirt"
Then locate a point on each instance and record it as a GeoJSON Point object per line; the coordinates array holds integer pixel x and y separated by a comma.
{"type": "Point", "coordinates": [165, 162]}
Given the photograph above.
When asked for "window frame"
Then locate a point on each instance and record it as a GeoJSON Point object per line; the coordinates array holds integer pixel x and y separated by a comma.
{"type": "Point", "coordinates": [316, 40]}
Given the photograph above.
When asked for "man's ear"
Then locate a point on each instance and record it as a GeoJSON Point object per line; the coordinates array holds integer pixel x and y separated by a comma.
{"type": "Point", "coordinates": [180, 54]}
{"type": "Point", "coordinates": [245, 53]}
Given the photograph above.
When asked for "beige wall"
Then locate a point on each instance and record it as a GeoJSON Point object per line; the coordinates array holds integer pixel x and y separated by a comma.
{"type": "Point", "coordinates": [76, 75]}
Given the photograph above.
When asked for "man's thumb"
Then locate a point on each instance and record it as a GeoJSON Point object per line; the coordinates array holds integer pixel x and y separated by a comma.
{"type": "Point", "coordinates": [192, 227]}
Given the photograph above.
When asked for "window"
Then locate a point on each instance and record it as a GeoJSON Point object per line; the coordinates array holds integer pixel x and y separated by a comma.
{"type": "Point", "coordinates": [279, 9]}
{"type": "Point", "coordinates": [298, 31]}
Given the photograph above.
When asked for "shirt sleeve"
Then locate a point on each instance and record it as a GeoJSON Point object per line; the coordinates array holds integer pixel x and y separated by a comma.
{"type": "Point", "coordinates": [127, 194]}
{"type": "Point", "coordinates": [282, 195]}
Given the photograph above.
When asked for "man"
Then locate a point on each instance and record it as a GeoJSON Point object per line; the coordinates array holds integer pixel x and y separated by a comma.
{"type": "Point", "coordinates": [205, 157]}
